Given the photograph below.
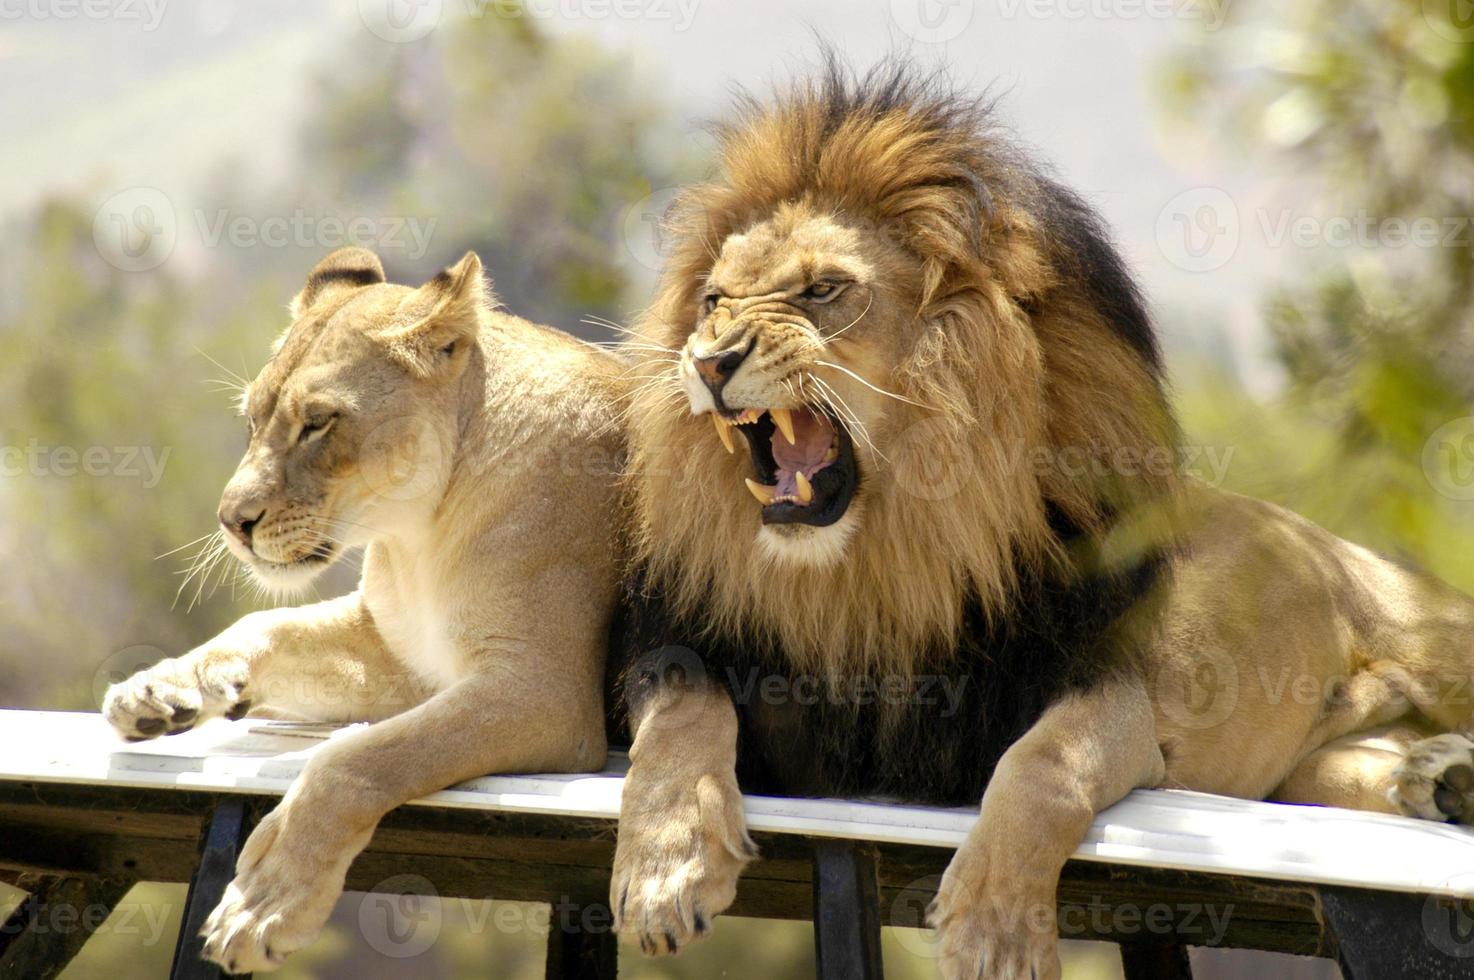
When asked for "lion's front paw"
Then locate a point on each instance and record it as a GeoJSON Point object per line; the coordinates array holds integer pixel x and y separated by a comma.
{"type": "Point", "coordinates": [681, 850]}
{"type": "Point", "coordinates": [993, 927]}
{"type": "Point", "coordinates": [176, 694]}
{"type": "Point", "coordinates": [287, 882]}
{"type": "Point", "coordinates": [1435, 779]}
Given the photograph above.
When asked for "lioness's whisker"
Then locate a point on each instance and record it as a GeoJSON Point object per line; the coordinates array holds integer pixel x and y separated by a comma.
{"type": "Point", "coordinates": [175, 551]}
{"type": "Point", "coordinates": [243, 382]}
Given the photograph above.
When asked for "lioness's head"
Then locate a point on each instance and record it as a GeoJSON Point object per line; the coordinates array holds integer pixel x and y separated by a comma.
{"type": "Point", "coordinates": [881, 342]}
{"type": "Point", "coordinates": [353, 421]}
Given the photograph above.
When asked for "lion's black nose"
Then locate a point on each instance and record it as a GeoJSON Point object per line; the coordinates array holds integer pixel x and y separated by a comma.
{"type": "Point", "coordinates": [717, 369]}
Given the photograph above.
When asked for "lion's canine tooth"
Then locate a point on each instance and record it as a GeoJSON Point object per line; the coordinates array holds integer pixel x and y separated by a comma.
{"type": "Point", "coordinates": [723, 433]}
{"type": "Point", "coordinates": [765, 494]}
{"type": "Point", "coordinates": [783, 419]}
{"type": "Point", "coordinates": [805, 489]}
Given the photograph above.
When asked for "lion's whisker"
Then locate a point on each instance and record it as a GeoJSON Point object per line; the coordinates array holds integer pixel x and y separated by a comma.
{"type": "Point", "coordinates": [856, 320]}
{"type": "Point", "coordinates": [878, 391]}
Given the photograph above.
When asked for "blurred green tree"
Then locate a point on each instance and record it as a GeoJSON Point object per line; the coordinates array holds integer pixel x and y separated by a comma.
{"type": "Point", "coordinates": [1369, 104]}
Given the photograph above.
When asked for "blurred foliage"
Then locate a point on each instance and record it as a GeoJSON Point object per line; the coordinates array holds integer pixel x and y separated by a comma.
{"type": "Point", "coordinates": [1368, 107]}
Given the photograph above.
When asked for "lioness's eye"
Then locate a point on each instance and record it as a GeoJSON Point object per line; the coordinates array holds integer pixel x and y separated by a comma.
{"type": "Point", "coordinates": [316, 428]}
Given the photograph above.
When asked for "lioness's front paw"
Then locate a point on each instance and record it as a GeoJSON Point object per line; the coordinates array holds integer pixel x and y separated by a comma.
{"type": "Point", "coordinates": [993, 929]}
{"type": "Point", "coordinates": [1435, 779]}
{"type": "Point", "coordinates": [681, 850]}
{"type": "Point", "coordinates": [176, 694]}
{"type": "Point", "coordinates": [287, 881]}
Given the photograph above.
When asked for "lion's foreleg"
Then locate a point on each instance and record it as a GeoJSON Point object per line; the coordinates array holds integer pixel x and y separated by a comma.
{"type": "Point", "coordinates": [682, 839]}
{"type": "Point", "coordinates": [323, 662]}
{"type": "Point", "coordinates": [995, 908]}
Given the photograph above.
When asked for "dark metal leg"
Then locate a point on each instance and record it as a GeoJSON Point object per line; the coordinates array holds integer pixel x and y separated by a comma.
{"type": "Point", "coordinates": [582, 944]}
{"type": "Point", "coordinates": [1386, 935]}
{"type": "Point", "coordinates": [846, 911]}
{"type": "Point", "coordinates": [51, 925]}
{"type": "Point", "coordinates": [219, 848]}
{"type": "Point", "coordinates": [1155, 961]}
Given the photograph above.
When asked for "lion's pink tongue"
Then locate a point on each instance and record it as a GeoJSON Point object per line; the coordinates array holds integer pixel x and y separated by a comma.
{"type": "Point", "coordinates": [813, 435]}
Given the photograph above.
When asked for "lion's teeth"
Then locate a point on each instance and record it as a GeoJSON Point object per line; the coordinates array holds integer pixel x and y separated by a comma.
{"type": "Point", "coordinates": [765, 494]}
{"type": "Point", "coordinates": [724, 433]}
{"type": "Point", "coordinates": [783, 419]}
{"type": "Point", "coordinates": [805, 489]}
{"type": "Point", "coordinates": [831, 455]}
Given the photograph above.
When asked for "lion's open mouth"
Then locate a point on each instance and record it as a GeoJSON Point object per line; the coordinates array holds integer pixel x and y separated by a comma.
{"type": "Point", "coordinates": [805, 463]}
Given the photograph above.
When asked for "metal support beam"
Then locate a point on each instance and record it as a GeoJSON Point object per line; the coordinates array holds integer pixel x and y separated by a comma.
{"type": "Point", "coordinates": [846, 911]}
{"type": "Point", "coordinates": [1387, 935]}
{"type": "Point", "coordinates": [582, 944]}
{"type": "Point", "coordinates": [219, 848]}
{"type": "Point", "coordinates": [1155, 961]}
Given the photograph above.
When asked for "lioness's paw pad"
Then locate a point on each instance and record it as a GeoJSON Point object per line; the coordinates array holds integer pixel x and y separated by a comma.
{"type": "Point", "coordinates": [1435, 780]}
{"type": "Point", "coordinates": [171, 697]}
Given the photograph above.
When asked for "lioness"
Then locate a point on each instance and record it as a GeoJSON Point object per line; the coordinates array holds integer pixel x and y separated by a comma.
{"type": "Point", "coordinates": [928, 364]}
{"type": "Point", "coordinates": [471, 454]}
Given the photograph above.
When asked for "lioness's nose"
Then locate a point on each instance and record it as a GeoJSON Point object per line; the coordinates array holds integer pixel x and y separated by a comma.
{"type": "Point", "coordinates": [240, 519]}
{"type": "Point", "coordinates": [717, 369]}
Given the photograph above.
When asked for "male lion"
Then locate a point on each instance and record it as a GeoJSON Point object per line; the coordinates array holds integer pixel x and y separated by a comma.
{"type": "Point", "coordinates": [471, 453]}
{"type": "Point", "coordinates": [929, 365]}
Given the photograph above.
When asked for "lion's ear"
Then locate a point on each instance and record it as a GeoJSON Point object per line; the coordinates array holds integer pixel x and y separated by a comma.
{"type": "Point", "coordinates": [454, 304]}
{"type": "Point", "coordinates": [343, 271]}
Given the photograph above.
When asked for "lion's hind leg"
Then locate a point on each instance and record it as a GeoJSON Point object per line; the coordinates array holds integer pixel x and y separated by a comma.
{"type": "Point", "coordinates": [1398, 769]}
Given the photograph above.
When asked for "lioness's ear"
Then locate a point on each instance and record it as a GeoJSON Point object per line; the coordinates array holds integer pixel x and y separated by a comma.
{"type": "Point", "coordinates": [454, 303]}
{"type": "Point", "coordinates": [344, 270]}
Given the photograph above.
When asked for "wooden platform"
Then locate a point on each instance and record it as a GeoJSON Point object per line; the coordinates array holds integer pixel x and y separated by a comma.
{"type": "Point", "coordinates": [1162, 870]}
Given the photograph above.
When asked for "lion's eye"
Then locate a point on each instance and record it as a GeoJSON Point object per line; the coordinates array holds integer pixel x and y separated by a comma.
{"type": "Point", "coordinates": [823, 291]}
{"type": "Point", "coordinates": [709, 303]}
{"type": "Point", "coordinates": [315, 428]}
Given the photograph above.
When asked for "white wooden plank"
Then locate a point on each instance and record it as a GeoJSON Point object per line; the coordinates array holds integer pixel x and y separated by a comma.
{"type": "Point", "coordinates": [1150, 828]}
